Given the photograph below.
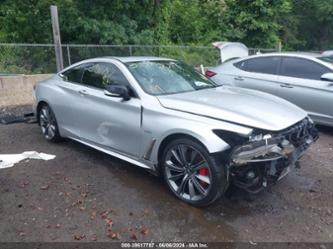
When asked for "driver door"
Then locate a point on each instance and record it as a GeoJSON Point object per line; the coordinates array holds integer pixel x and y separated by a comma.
{"type": "Point", "coordinates": [107, 121]}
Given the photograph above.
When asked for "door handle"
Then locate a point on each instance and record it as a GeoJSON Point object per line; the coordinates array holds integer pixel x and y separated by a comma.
{"type": "Point", "coordinates": [286, 86]}
{"type": "Point", "coordinates": [239, 78]}
{"type": "Point", "coordinates": [83, 92]}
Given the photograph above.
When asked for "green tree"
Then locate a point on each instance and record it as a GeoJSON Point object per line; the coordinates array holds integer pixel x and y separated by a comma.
{"type": "Point", "coordinates": [309, 26]}
{"type": "Point", "coordinates": [256, 22]}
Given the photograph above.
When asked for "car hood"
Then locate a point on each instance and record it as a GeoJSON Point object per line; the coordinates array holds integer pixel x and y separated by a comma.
{"type": "Point", "coordinates": [242, 106]}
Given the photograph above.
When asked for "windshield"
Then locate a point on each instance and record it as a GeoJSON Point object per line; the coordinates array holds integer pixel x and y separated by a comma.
{"type": "Point", "coordinates": [326, 59]}
{"type": "Point", "coordinates": [168, 77]}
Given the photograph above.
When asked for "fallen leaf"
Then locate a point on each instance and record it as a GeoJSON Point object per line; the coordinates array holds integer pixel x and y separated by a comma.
{"type": "Point", "coordinates": [79, 237]}
{"type": "Point", "coordinates": [24, 184]}
{"type": "Point", "coordinates": [133, 236]}
{"type": "Point", "coordinates": [104, 214]}
{"type": "Point", "coordinates": [82, 208]}
{"type": "Point", "coordinates": [93, 215]}
{"type": "Point", "coordinates": [77, 202]}
{"type": "Point", "coordinates": [109, 222]}
{"type": "Point", "coordinates": [44, 187]}
{"type": "Point", "coordinates": [144, 230]}
{"type": "Point", "coordinates": [115, 236]}
{"type": "Point", "coordinates": [53, 237]}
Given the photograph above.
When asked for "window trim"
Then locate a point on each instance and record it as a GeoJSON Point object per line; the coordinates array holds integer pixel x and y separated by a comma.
{"type": "Point", "coordinates": [301, 58]}
{"type": "Point", "coordinates": [61, 75]}
{"type": "Point", "coordinates": [261, 57]}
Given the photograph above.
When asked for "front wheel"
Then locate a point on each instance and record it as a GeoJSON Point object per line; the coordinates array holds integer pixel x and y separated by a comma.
{"type": "Point", "coordinates": [191, 173]}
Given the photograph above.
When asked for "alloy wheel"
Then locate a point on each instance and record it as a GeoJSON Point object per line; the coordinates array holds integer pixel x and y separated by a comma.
{"type": "Point", "coordinates": [187, 172]}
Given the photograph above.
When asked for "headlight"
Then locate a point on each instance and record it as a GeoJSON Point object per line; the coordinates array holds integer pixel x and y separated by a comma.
{"type": "Point", "coordinates": [230, 138]}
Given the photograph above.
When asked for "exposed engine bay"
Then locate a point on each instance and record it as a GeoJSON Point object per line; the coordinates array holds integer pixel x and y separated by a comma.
{"type": "Point", "coordinates": [268, 157]}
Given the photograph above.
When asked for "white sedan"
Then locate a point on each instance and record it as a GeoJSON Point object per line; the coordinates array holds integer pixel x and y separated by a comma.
{"type": "Point", "coordinates": [303, 79]}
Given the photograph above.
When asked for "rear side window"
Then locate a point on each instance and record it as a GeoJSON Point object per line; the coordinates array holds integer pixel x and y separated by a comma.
{"type": "Point", "coordinates": [266, 65]}
{"type": "Point", "coordinates": [302, 68]}
{"type": "Point", "coordinates": [74, 74]}
{"type": "Point", "coordinates": [101, 74]}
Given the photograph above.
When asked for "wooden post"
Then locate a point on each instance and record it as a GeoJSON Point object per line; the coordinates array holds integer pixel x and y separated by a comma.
{"type": "Point", "coordinates": [56, 37]}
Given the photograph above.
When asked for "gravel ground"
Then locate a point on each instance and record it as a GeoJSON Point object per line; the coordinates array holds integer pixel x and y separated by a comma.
{"type": "Point", "coordinates": [86, 195]}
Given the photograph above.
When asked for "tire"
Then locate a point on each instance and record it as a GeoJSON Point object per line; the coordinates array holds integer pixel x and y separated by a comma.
{"type": "Point", "coordinates": [48, 124]}
{"type": "Point", "coordinates": [191, 173]}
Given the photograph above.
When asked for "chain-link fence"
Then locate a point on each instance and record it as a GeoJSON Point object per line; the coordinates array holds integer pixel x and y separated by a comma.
{"type": "Point", "coordinates": [40, 58]}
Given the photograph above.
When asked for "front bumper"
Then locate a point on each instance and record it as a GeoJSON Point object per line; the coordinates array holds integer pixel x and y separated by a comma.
{"type": "Point", "coordinates": [255, 163]}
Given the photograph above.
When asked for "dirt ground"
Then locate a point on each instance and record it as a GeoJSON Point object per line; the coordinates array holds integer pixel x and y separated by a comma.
{"type": "Point", "coordinates": [86, 195]}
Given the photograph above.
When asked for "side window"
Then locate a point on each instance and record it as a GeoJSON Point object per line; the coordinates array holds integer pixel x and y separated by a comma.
{"type": "Point", "coordinates": [302, 68]}
{"type": "Point", "coordinates": [101, 74]}
{"type": "Point", "coordinates": [266, 65]}
{"type": "Point", "coordinates": [74, 74]}
{"type": "Point", "coordinates": [241, 64]}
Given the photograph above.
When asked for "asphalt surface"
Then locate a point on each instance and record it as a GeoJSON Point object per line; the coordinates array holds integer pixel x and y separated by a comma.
{"type": "Point", "coordinates": [86, 195]}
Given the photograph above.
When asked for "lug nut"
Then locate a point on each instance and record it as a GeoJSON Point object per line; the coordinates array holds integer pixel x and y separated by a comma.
{"type": "Point", "coordinates": [250, 175]}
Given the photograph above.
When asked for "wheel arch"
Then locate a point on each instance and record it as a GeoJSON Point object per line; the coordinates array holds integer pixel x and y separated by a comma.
{"type": "Point", "coordinates": [171, 137]}
{"type": "Point", "coordinates": [40, 104]}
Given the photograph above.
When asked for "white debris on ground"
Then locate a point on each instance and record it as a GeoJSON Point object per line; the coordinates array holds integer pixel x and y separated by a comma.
{"type": "Point", "coordinates": [8, 160]}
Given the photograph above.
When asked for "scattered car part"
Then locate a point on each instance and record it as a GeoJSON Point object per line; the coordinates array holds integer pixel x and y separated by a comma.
{"type": "Point", "coordinates": [8, 160]}
{"type": "Point", "coordinates": [11, 118]}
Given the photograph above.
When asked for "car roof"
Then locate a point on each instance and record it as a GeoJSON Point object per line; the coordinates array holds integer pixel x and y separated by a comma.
{"type": "Point", "coordinates": [121, 59]}
{"type": "Point", "coordinates": [296, 54]}
{"type": "Point", "coordinates": [141, 58]}
{"type": "Point", "coordinates": [308, 55]}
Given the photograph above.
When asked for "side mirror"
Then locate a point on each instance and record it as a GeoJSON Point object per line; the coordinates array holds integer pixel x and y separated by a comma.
{"type": "Point", "coordinates": [327, 77]}
{"type": "Point", "coordinates": [118, 91]}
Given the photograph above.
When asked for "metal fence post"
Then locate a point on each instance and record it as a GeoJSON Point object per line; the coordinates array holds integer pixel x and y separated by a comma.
{"type": "Point", "coordinates": [130, 50]}
{"type": "Point", "coordinates": [68, 56]}
{"type": "Point", "coordinates": [279, 46]}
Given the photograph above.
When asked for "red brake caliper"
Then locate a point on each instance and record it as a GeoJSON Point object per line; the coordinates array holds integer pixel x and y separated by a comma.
{"type": "Point", "coordinates": [203, 172]}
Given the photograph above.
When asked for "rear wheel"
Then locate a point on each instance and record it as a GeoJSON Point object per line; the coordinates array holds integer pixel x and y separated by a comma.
{"type": "Point", "coordinates": [48, 124]}
{"type": "Point", "coordinates": [191, 173]}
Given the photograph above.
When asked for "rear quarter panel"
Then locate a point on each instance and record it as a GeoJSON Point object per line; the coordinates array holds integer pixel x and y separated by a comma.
{"type": "Point", "coordinates": [58, 97]}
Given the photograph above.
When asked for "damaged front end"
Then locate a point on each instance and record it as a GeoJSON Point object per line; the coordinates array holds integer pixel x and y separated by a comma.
{"type": "Point", "coordinates": [267, 156]}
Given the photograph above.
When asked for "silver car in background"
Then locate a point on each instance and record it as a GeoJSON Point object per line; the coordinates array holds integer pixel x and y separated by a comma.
{"type": "Point", "coordinates": [304, 79]}
{"type": "Point", "coordinates": [164, 116]}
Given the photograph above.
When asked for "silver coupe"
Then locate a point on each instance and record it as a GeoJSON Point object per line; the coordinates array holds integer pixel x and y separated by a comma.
{"type": "Point", "coordinates": [164, 116]}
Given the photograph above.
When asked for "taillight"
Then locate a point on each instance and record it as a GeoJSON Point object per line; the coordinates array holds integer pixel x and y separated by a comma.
{"type": "Point", "coordinates": [209, 73]}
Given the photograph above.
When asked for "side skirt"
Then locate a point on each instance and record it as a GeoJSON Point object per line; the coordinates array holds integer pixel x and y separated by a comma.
{"type": "Point", "coordinates": [114, 153]}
